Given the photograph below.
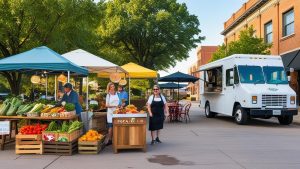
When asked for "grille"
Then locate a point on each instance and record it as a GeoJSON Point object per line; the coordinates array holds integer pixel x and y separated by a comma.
{"type": "Point", "coordinates": [274, 100]}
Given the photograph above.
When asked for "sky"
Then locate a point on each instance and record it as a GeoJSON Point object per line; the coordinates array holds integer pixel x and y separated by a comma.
{"type": "Point", "coordinates": [212, 14]}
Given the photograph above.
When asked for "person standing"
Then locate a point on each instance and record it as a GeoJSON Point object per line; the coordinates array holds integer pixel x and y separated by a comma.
{"type": "Point", "coordinates": [158, 110]}
{"type": "Point", "coordinates": [71, 96]}
{"type": "Point", "coordinates": [123, 96]}
{"type": "Point", "coordinates": [112, 102]}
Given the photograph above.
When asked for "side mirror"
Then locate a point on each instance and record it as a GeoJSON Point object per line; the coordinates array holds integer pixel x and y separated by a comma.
{"type": "Point", "coordinates": [231, 74]}
{"type": "Point", "coordinates": [289, 78]}
{"type": "Point", "coordinates": [231, 81]}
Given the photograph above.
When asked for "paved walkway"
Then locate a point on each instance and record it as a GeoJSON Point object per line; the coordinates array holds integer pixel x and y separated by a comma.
{"type": "Point", "coordinates": [216, 143]}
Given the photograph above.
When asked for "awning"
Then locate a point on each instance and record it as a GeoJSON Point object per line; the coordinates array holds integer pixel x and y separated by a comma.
{"type": "Point", "coordinates": [93, 63]}
{"type": "Point", "coordinates": [291, 59]}
{"type": "Point", "coordinates": [135, 72]}
{"type": "Point", "coordinates": [40, 58]}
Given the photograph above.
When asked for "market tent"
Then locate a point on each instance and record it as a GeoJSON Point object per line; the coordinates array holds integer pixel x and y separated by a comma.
{"type": "Point", "coordinates": [93, 63]}
{"type": "Point", "coordinates": [40, 58]}
{"type": "Point", "coordinates": [134, 71]}
{"type": "Point", "coordinates": [178, 77]}
{"type": "Point", "coordinates": [171, 85]}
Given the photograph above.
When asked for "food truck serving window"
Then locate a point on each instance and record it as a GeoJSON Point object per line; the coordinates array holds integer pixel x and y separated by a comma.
{"type": "Point", "coordinates": [213, 79]}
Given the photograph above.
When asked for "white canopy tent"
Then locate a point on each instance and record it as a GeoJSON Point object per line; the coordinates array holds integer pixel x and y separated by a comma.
{"type": "Point", "coordinates": [93, 63]}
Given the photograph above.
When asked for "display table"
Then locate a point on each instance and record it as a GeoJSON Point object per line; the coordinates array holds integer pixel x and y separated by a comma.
{"type": "Point", "coordinates": [129, 131]}
{"type": "Point", "coordinates": [40, 118]}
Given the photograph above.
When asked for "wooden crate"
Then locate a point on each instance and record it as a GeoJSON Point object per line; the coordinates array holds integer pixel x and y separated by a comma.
{"type": "Point", "coordinates": [60, 148]}
{"type": "Point", "coordinates": [49, 136]}
{"type": "Point", "coordinates": [99, 121]}
{"type": "Point", "coordinates": [91, 147]}
{"type": "Point", "coordinates": [70, 136]}
{"type": "Point", "coordinates": [29, 144]}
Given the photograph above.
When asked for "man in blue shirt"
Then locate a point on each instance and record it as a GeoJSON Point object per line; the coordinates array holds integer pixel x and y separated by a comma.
{"type": "Point", "coordinates": [123, 96]}
{"type": "Point", "coordinates": [71, 96]}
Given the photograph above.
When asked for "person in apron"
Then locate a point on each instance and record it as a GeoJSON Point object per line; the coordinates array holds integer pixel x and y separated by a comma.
{"type": "Point", "coordinates": [158, 110]}
{"type": "Point", "coordinates": [112, 102]}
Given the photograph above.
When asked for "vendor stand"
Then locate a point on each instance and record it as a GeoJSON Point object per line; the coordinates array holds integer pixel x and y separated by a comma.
{"type": "Point", "coordinates": [40, 61]}
{"type": "Point", "coordinates": [129, 131]}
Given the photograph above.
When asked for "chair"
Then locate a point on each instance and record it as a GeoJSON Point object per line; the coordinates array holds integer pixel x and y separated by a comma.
{"type": "Point", "coordinates": [185, 112]}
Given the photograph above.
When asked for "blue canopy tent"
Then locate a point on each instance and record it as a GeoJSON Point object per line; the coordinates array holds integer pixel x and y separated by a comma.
{"type": "Point", "coordinates": [41, 59]}
{"type": "Point", "coordinates": [171, 86]}
{"type": "Point", "coordinates": [178, 77]}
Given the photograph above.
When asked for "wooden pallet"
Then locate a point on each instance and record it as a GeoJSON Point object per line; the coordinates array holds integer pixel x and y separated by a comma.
{"type": "Point", "coordinates": [29, 144]}
{"type": "Point", "coordinates": [90, 147]}
{"type": "Point", "coordinates": [60, 148]}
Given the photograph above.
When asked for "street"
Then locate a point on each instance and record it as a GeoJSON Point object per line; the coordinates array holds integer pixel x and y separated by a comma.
{"type": "Point", "coordinates": [216, 143]}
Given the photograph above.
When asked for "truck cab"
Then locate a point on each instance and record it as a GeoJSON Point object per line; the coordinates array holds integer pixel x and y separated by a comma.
{"type": "Point", "coordinates": [247, 86]}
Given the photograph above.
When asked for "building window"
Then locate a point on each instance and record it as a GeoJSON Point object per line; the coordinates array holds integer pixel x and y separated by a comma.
{"type": "Point", "coordinates": [288, 22]}
{"type": "Point", "coordinates": [268, 32]}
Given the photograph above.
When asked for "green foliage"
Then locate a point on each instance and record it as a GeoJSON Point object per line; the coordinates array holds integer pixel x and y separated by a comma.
{"type": "Point", "coordinates": [247, 44]}
{"type": "Point", "coordinates": [62, 25]}
{"type": "Point", "coordinates": [151, 33]}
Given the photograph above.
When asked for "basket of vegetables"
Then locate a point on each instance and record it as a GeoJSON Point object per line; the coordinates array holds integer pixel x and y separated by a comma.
{"type": "Point", "coordinates": [69, 110]}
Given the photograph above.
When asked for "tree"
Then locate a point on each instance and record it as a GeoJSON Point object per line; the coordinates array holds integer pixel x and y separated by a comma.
{"type": "Point", "coordinates": [60, 24]}
{"type": "Point", "coordinates": [151, 33]}
{"type": "Point", "coordinates": [247, 44]}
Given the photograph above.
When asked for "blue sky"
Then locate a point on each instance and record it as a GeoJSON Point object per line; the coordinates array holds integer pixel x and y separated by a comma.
{"type": "Point", "coordinates": [212, 14]}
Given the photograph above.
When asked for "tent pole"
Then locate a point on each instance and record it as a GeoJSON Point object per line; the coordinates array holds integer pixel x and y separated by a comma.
{"type": "Point", "coordinates": [55, 88]}
{"type": "Point", "coordinates": [87, 93]}
{"type": "Point", "coordinates": [46, 86]}
{"type": "Point", "coordinates": [129, 91]}
{"type": "Point", "coordinates": [68, 76]}
{"type": "Point", "coordinates": [178, 92]}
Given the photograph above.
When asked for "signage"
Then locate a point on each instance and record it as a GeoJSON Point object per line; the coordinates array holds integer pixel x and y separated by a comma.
{"type": "Point", "coordinates": [4, 127]}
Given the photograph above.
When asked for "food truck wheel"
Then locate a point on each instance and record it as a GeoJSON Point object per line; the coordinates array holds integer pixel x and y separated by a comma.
{"type": "Point", "coordinates": [241, 116]}
{"type": "Point", "coordinates": [208, 113]}
{"type": "Point", "coordinates": [285, 120]}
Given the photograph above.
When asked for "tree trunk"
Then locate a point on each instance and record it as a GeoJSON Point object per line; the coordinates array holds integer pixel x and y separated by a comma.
{"type": "Point", "coordinates": [14, 80]}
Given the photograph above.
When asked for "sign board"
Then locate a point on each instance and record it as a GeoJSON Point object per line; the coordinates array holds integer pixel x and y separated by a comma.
{"type": "Point", "coordinates": [4, 127]}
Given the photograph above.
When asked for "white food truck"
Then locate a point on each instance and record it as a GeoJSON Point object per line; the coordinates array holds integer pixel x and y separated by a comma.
{"type": "Point", "coordinates": [247, 86]}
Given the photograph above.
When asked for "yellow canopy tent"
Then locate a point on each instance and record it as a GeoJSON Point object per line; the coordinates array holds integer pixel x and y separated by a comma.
{"type": "Point", "coordinates": [134, 71]}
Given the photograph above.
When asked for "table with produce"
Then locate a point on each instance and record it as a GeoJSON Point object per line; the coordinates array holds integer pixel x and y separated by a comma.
{"type": "Point", "coordinates": [39, 114]}
{"type": "Point", "coordinates": [14, 108]}
{"type": "Point", "coordinates": [129, 128]}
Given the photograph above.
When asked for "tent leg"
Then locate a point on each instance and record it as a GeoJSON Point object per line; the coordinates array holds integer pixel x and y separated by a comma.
{"type": "Point", "coordinates": [46, 86]}
{"type": "Point", "coordinates": [129, 94]}
{"type": "Point", "coordinates": [68, 76]}
{"type": "Point", "coordinates": [55, 88]}
{"type": "Point", "coordinates": [178, 92]}
{"type": "Point", "coordinates": [87, 93]}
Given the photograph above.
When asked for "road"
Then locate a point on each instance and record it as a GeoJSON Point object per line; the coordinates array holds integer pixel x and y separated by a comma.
{"type": "Point", "coordinates": [216, 143]}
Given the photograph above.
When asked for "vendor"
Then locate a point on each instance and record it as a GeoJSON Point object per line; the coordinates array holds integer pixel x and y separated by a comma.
{"type": "Point", "coordinates": [158, 110]}
{"type": "Point", "coordinates": [71, 96]}
{"type": "Point", "coordinates": [123, 96]}
{"type": "Point", "coordinates": [112, 102]}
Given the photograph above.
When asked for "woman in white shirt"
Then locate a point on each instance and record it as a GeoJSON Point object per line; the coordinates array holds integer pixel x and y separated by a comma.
{"type": "Point", "coordinates": [112, 102]}
{"type": "Point", "coordinates": [157, 109]}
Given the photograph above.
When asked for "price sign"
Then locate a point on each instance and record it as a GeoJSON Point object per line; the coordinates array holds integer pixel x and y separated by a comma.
{"type": "Point", "coordinates": [4, 127]}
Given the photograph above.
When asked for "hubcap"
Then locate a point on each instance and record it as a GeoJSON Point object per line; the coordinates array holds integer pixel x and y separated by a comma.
{"type": "Point", "coordinates": [238, 115]}
{"type": "Point", "coordinates": [207, 110]}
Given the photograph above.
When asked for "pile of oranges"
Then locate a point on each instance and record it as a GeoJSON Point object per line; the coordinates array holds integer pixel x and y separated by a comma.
{"type": "Point", "coordinates": [91, 135]}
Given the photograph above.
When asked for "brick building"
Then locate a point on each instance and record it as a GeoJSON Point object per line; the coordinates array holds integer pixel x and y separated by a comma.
{"type": "Point", "coordinates": [277, 22]}
{"type": "Point", "coordinates": [204, 54]}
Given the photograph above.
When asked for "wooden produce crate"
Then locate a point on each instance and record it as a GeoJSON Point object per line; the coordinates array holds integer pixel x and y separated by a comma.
{"type": "Point", "coordinates": [99, 121]}
{"type": "Point", "coordinates": [69, 137]}
{"type": "Point", "coordinates": [29, 144]}
{"type": "Point", "coordinates": [49, 136]}
{"type": "Point", "coordinates": [91, 147]}
{"type": "Point", "coordinates": [60, 148]}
